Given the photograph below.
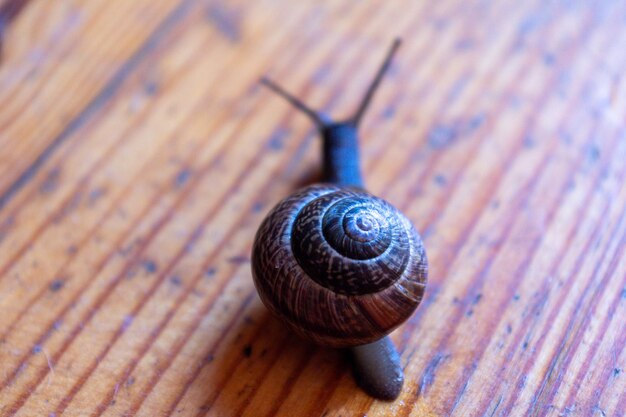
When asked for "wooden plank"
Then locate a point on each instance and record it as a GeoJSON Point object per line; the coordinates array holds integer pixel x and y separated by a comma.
{"type": "Point", "coordinates": [76, 50]}
{"type": "Point", "coordinates": [148, 155]}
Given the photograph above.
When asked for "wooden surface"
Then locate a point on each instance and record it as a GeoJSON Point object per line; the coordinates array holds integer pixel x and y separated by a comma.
{"type": "Point", "coordinates": [139, 155]}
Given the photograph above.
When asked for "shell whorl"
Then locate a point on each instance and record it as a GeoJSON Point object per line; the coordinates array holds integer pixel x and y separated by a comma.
{"type": "Point", "coordinates": [340, 266]}
{"type": "Point", "coordinates": [350, 242]}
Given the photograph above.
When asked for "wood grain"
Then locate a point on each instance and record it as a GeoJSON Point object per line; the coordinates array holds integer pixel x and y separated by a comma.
{"type": "Point", "coordinates": [139, 155]}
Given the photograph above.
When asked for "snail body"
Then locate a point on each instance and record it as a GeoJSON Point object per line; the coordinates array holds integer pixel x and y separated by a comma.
{"type": "Point", "coordinates": [338, 265]}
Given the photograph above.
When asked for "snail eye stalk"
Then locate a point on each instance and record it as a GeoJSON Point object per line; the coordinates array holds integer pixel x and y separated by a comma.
{"type": "Point", "coordinates": [376, 82]}
{"type": "Point", "coordinates": [295, 101]}
{"type": "Point", "coordinates": [367, 98]}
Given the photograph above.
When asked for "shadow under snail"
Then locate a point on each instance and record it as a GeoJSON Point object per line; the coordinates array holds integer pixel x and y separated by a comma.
{"type": "Point", "coordinates": [339, 266]}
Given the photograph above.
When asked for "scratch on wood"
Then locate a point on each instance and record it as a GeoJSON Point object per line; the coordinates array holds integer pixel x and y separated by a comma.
{"type": "Point", "coordinates": [6, 226]}
{"type": "Point", "coordinates": [277, 139]}
{"type": "Point", "coordinates": [239, 260]}
{"type": "Point", "coordinates": [57, 284]}
{"type": "Point", "coordinates": [597, 409]}
{"type": "Point", "coordinates": [95, 195]}
{"type": "Point", "coordinates": [429, 373]}
{"type": "Point", "coordinates": [73, 203]}
{"type": "Point", "coordinates": [225, 20]}
{"type": "Point", "coordinates": [553, 374]}
{"type": "Point", "coordinates": [51, 182]}
{"type": "Point", "coordinates": [39, 349]}
{"type": "Point", "coordinates": [440, 180]}
{"type": "Point", "coordinates": [128, 320]}
{"type": "Point", "coordinates": [150, 266]}
{"type": "Point", "coordinates": [443, 135]}
{"type": "Point", "coordinates": [493, 412]}
{"type": "Point", "coordinates": [9, 11]}
{"type": "Point", "coordinates": [182, 177]}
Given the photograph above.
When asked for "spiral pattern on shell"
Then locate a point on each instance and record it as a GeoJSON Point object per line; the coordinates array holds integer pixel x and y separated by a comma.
{"type": "Point", "coordinates": [339, 265]}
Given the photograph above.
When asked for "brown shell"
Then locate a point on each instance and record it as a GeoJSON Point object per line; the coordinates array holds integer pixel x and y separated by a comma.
{"type": "Point", "coordinates": [340, 266]}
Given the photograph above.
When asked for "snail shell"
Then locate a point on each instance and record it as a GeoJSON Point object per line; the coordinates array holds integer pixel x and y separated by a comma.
{"type": "Point", "coordinates": [340, 266]}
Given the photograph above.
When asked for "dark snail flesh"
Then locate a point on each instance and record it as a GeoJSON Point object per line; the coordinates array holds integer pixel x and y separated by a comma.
{"type": "Point", "coordinates": [339, 266]}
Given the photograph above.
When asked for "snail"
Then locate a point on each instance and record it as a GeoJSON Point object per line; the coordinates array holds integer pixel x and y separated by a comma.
{"type": "Point", "coordinates": [338, 265]}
